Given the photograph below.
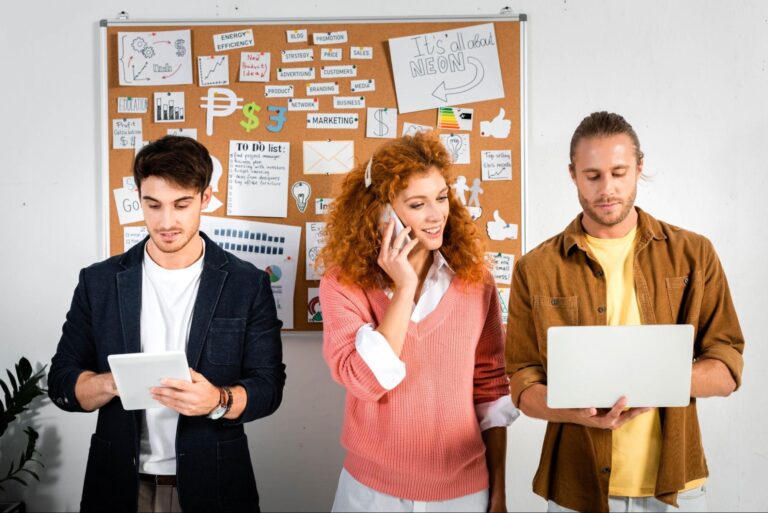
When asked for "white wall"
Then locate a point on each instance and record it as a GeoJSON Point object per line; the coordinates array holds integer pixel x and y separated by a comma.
{"type": "Point", "coordinates": [690, 75]}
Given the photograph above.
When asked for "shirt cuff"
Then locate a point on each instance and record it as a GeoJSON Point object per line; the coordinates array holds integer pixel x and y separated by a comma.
{"type": "Point", "coordinates": [378, 355]}
{"type": "Point", "coordinates": [498, 413]}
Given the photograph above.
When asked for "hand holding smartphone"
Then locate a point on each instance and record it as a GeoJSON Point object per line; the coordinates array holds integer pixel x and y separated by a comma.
{"type": "Point", "coordinates": [388, 214]}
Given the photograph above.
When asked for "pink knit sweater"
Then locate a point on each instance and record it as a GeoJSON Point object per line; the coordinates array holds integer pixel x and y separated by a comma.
{"type": "Point", "coordinates": [421, 440]}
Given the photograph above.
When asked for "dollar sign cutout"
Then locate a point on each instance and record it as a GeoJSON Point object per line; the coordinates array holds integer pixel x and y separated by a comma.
{"type": "Point", "coordinates": [249, 111]}
{"type": "Point", "coordinates": [381, 129]}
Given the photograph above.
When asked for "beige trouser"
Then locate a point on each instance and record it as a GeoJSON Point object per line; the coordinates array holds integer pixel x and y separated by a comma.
{"type": "Point", "coordinates": [158, 499]}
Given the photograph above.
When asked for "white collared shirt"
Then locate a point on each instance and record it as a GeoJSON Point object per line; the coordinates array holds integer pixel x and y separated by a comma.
{"type": "Point", "coordinates": [389, 370]}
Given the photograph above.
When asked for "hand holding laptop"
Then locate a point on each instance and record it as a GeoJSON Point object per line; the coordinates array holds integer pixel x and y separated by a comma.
{"type": "Point", "coordinates": [611, 419]}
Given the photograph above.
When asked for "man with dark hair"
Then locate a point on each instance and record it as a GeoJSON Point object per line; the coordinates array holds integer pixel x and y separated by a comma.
{"type": "Point", "coordinates": [176, 290]}
{"type": "Point", "coordinates": [617, 265]}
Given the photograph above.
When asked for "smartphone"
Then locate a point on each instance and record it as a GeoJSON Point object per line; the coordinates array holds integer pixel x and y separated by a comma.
{"type": "Point", "coordinates": [388, 214]}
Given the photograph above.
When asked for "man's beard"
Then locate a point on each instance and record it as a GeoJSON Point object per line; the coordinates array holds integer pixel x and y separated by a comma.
{"type": "Point", "coordinates": [603, 220]}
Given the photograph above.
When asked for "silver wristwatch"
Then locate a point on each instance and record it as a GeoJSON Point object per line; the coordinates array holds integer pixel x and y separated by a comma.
{"type": "Point", "coordinates": [225, 403]}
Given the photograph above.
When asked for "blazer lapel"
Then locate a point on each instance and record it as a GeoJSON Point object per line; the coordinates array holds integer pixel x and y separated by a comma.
{"type": "Point", "coordinates": [129, 297]}
{"type": "Point", "coordinates": [211, 284]}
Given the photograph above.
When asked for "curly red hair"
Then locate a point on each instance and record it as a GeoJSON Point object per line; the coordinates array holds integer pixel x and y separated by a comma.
{"type": "Point", "coordinates": [353, 239]}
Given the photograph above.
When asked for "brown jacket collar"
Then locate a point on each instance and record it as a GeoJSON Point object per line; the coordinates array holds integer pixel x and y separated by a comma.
{"type": "Point", "coordinates": [647, 227]}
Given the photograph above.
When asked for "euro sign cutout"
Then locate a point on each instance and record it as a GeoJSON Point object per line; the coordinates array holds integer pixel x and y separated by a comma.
{"type": "Point", "coordinates": [219, 103]}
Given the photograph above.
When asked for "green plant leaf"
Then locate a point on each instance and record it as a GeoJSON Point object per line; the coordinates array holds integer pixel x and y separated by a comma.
{"type": "Point", "coordinates": [8, 396]}
{"type": "Point", "coordinates": [24, 369]}
{"type": "Point", "coordinates": [13, 381]}
{"type": "Point", "coordinates": [18, 479]}
{"type": "Point", "coordinates": [31, 473]}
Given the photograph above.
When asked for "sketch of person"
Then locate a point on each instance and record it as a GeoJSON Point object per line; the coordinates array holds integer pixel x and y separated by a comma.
{"type": "Point", "coordinates": [460, 189]}
{"type": "Point", "coordinates": [476, 190]}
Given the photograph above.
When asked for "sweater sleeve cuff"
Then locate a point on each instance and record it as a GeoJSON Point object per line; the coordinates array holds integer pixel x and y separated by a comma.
{"type": "Point", "coordinates": [498, 413]}
{"type": "Point", "coordinates": [378, 355]}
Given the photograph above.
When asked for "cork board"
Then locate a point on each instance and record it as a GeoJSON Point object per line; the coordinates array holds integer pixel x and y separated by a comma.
{"type": "Point", "coordinates": [506, 196]}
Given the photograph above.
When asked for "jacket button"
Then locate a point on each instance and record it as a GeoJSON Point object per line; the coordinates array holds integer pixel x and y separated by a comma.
{"type": "Point", "coordinates": [605, 470]}
{"type": "Point", "coordinates": [600, 309]}
{"type": "Point", "coordinates": [599, 274]}
{"type": "Point", "coordinates": [685, 280]}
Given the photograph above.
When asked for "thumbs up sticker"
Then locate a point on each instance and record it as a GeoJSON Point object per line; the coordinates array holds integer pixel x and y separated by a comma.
{"type": "Point", "coordinates": [498, 229]}
{"type": "Point", "coordinates": [498, 127]}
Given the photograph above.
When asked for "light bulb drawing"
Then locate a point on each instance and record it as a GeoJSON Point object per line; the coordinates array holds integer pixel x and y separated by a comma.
{"type": "Point", "coordinates": [454, 146]}
{"type": "Point", "coordinates": [301, 191]}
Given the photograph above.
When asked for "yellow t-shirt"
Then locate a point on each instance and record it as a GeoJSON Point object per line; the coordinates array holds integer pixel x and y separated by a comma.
{"type": "Point", "coordinates": [637, 444]}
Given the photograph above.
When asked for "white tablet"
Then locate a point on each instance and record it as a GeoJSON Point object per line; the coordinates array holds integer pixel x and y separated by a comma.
{"type": "Point", "coordinates": [593, 366]}
{"type": "Point", "coordinates": [136, 373]}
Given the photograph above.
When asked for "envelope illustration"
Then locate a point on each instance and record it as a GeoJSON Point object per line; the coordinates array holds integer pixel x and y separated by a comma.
{"type": "Point", "coordinates": [328, 157]}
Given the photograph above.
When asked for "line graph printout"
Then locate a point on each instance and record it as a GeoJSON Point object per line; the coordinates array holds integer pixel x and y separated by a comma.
{"type": "Point", "coordinates": [212, 70]}
{"type": "Point", "coordinates": [445, 68]}
{"type": "Point", "coordinates": [154, 58]}
{"type": "Point", "coordinates": [273, 248]}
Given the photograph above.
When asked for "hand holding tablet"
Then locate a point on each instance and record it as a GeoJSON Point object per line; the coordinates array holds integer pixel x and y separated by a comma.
{"type": "Point", "coordinates": [136, 373]}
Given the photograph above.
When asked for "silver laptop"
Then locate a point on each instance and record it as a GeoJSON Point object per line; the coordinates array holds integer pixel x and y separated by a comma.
{"type": "Point", "coordinates": [593, 366]}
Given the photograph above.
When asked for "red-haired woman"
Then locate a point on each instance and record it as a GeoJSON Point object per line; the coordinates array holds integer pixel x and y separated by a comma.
{"type": "Point", "coordinates": [412, 329]}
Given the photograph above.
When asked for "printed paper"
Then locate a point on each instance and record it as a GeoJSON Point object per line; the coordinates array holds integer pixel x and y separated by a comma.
{"type": "Point", "coordinates": [504, 300]}
{"type": "Point", "coordinates": [296, 36]}
{"type": "Point", "coordinates": [330, 54]}
{"type": "Point", "coordinates": [496, 164]}
{"type": "Point", "coordinates": [452, 118]}
{"type": "Point", "coordinates": [341, 121]}
{"type": "Point", "coordinates": [361, 52]}
{"type": "Point", "coordinates": [130, 105]}
{"type": "Point", "coordinates": [348, 102]}
{"type": "Point", "coordinates": [444, 68]}
{"type": "Point", "coordinates": [254, 66]}
{"type": "Point", "coordinates": [169, 107]}
{"type": "Point", "coordinates": [381, 123]}
{"type": "Point", "coordinates": [232, 40]}
{"type": "Point", "coordinates": [258, 178]}
{"type": "Point", "coordinates": [317, 88]}
{"type": "Point", "coordinates": [329, 38]}
{"type": "Point", "coordinates": [295, 73]}
{"type": "Point", "coordinates": [128, 205]}
{"type": "Point", "coordinates": [132, 235]}
{"type": "Point", "coordinates": [502, 266]}
{"type": "Point", "coordinates": [315, 242]}
{"type": "Point", "coordinates": [362, 86]}
{"type": "Point", "coordinates": [278, 91]}
{"type": "Point", "coordinates": [213, 70]}
{"type": "Point", "coordinates": [412, 128]}
{"type": "Point", "coordinates": [302, 55]}
{"type": "Point", "coordinates": [328, 157]}
{"type": "Point", "coordinates": [349, 70]}
{"type": "Point", "coordinates": [126, 133]}
{"type": "Point", "coordinates": [303, 104]}
{"type": "Point", "coordinates": [457, 146]}
{"type": "Point", "coordinates": [215, 202]}
{"type": "Point", "coordinates": [183, 132]}
{"type": "Point", "coordinates": [314, 311]}
{"type": "Point", "coordinates": [322, 205]}
{"type": "Point", "coordinates": [273, 248]}
{"type": "Point", "coordinates": [154, 58]}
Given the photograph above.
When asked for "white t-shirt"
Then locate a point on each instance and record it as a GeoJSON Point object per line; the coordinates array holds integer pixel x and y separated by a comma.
{"type": "Point", "coordinates": [167, 302]}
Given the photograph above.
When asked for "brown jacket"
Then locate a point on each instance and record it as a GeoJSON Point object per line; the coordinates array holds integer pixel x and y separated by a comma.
{"type": "Point", "coordinates": [678, 280]}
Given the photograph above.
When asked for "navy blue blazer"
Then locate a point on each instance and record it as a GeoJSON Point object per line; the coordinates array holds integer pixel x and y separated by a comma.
{"type": "Point", "coordinates": [234, 340]}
